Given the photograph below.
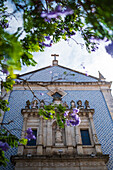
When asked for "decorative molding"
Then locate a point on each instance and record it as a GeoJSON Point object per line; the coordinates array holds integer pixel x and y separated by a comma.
{"type": "Point", "coordinates": [61, 92]}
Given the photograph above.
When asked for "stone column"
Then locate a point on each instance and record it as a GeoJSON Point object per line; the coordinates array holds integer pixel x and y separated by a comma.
{"type": "Point", "coordinates": [69, 141]}
{"type": "Point", "coordinates": [109, 100]}
{"type": "Point", "coordinates": [24, 125]}
{"type": "Point", "coordinates": [40, 138]}
{"type": "Point", "coordinates": [49, 137]}
{"type": "Point", "coordinates": [21, 147]}
{"type": "Point", "coordinates": [95, 139]}
{"type": "Point", "coordinates": [78, 141]}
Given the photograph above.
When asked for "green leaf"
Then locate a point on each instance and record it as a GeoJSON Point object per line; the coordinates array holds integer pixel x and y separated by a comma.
{"type": "Point", "coordinates": [23, 141]}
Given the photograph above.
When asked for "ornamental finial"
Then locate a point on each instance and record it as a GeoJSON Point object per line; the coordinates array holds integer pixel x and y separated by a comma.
{"type": "Point", "coordinates": [55, 61]}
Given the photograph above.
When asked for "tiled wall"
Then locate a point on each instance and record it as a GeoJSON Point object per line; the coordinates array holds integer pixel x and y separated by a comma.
{"type": "Point", "coordinates": [102, 118]}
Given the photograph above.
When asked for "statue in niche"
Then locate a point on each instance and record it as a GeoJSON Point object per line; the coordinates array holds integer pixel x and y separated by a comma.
{"type": "Point", "coordinates": [58, 135]}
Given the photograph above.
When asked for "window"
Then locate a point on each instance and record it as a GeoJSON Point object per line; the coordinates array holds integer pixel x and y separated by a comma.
{"type": "Point", "coordinates": [56, 95]}
{"type": "Point", "coordinates": [32, 142]}
{"type": "Point", "coordinates": [85, 137]}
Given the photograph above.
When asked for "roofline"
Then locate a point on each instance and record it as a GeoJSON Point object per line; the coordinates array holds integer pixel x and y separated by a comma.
{"type": "Point", "coordinates": [33, 71]}
{"type": "Point", "coordinates": [78, 72]}
{"type": "Point", "coordinates": [61, 67]}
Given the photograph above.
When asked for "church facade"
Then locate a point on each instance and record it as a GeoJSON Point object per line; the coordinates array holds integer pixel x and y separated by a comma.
{"type": "Point", "coordinates": [84, 147]}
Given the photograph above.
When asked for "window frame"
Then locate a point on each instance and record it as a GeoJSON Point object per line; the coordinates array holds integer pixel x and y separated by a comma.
{"type": "Point", "coordinates": [90, 140]}
{"type": "Point", "coordinates": [29, 145]}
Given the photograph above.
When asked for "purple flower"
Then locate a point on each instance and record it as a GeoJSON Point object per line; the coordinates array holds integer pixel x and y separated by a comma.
{"type": "Point", "coordinates": [68, 11]}
{"type": "Point", "coordinates": [68, 122]}
{"type": "Point", "coordinates": [63, 31]}
{"type": "Point", "coordinates": [58, 11]}
{"type": "Point", "coordinates": [47, 20]}
{"type": "Point", "coordinates": [59, 8]}
{"type": "Point", "coordinates": [75, 122]}
{"type": "Point", "coordinates": [29, 131]}
{"type": "Point", "coordinates": [51, 41]}
{"type": "Point", "coordinates": [48, 38]}
{"type": "Point", "coordinates": [75, 110]}
{"type": "Point", "coordinates": [4, 146]}
{"type": "Point", "coordinates": [66, 113]}
{"type": "Point", "coordinates": [29, 134]}
{"type": "Point", "coordinates": [5, 71]}
{"type": "Point", "coordinates": [44, 14]}
{"type": "Point", "coordinates": [52, 15]}
{"type": "Point", "coordinates": [86, 74]}
{"type": "Point", "coordinates": [46, 45]}
{"type": "Point", "coordinates": [109, 49]}
{"type": "Point", "coordinates": [41, 94]}
{"type": "Point", "coordinates": [6, 25]}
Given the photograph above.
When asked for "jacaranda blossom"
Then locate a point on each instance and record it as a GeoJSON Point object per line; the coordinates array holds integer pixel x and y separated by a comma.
{"type": "Point", "coordinates": [29, 134]}
{"type": "Point", "coordinates": [58, 12]}
{"type": "Point", "coordinates": [74, 119]}
{"type": "Point", "coordinates": [5, 71]}
{"type": "Point", "coordinates": [75, 110]}
{"type": "Point", "coordinates": [4, 146]}
{"type": "Point", "coordinates": [66, 113]}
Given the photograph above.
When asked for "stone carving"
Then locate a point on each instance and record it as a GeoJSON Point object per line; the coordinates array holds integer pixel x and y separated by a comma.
{"type": "Point", "coordinates": [79, 103]}
{"type": "Point", "coordinates": [48, 164]}
{"type": "Point", "coordinates": [87, 105]}
{"type": "Point", "coordinates": [65, 105]}
{"type": "Point", "coordinates": [34, 104]}
{"type": "Point", "coordinates": [58, 136]}
{"type": "Point", "coordinates": [57, 100]}
{"type": "Point", "coordinates": [42, 104]}
{"type": "Point", "coordinates": [72, 104]}
{"type": "Point", "coordinates": [95, 138]}
{"type": "Point", "coordinates": [60, 164]}
{"type": "Point", "coordinates": [27, 104]}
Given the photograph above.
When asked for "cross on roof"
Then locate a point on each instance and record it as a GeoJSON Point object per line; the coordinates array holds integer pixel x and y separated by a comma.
{"type": "Point", "coordinates": [55, 55]}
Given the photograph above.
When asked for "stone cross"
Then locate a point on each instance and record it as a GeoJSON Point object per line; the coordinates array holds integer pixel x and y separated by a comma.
{"type": "Point", "coordinates": [55, 55]}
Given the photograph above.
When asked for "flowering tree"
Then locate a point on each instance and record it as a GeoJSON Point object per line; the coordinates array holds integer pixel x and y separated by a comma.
{"type": "Point", "coordinates": [46, 22]}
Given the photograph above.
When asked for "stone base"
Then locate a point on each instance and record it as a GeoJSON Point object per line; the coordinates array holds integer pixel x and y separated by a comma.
{"type": "Point", "coordinates": [59, 144]}
{"type": "Point", "coordinates": [60, 162]}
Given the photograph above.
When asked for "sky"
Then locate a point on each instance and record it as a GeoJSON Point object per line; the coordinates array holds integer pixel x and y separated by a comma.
{"type": "Point", "coordinates": [70, 54]}
{"type": "Point", "coordinates": [73, 56]}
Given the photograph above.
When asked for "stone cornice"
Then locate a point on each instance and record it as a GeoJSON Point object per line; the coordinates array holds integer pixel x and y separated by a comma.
{"type": "Point", "coordinates": [82, 112]}
{"type": "Point", "coordinates": [49, 158]}
{"type": "Point", "coordinates": [65, 85]}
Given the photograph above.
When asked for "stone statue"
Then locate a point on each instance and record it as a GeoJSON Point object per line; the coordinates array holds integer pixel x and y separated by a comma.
{"type": "Point", "coordinates": [42, 104]}
{"type": "Point", "coordinates": [34, 104]}
{"type": "Point", "coordinates": [58, 136]}
{"type": "Point", "coordinates": [65, 105]}
{"type": "Point", "coordinates": [79, 103]}
{"type": "Point", "coordinates": [87, 104]}
{"type": "Point", "coordinates": [27, 104]}
{"type": "Point", "coordinates": [72, 104]}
